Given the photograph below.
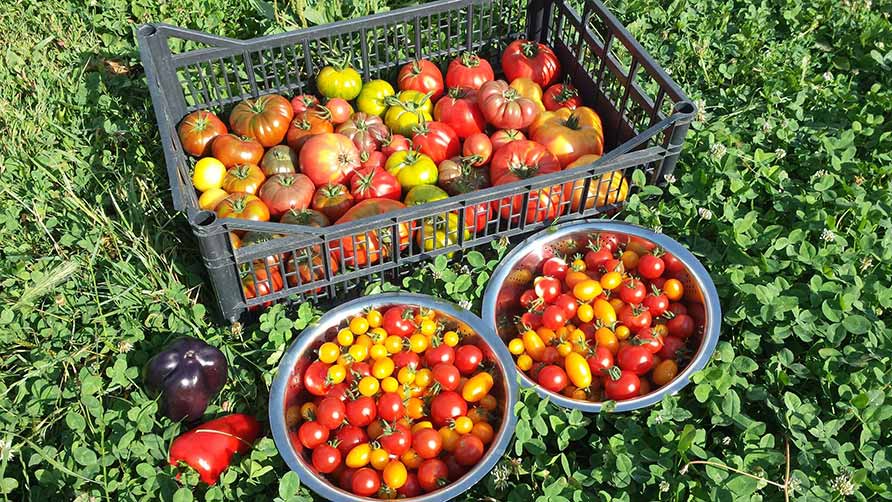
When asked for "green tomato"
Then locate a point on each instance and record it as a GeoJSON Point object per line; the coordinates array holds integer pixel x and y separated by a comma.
{"type": "Point", "coordinates": [412, 169]}
{"type": "Point", "coordinates": [372, 97]}
{"type": "Point", "coordinates": [422, 194]}
{"type": "Point", "coordinates": [344, 83]}
{"type": "Point", "coordinates": [407, 109]}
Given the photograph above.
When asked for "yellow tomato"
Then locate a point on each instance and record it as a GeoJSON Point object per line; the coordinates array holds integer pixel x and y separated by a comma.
{"type": "Point", "coordinates": [611, 280]}
{"type": "Point", "coordinates": [369, 386]}
{"type": "Point", "coordinates": [379, 458]}
{"type": "Point", "coordinates": [588, 289]}
{"type": "Point", "coordinates": [359, 325]}
{"type": "Point", "coordinates": [673, 289]}
{"type": "Point", "coordinates": [530, 90]}
{"type": "Point", "coordinates": [378, 351]}
{"type": "Point", "coordinates": [414, 408]}
{"type": "Point", "coordinates": [546, 334]}
{"type": "Point", "coordinates": [450, 338]}
{"type": "Point", "coordinates": [450, 438]}
{"type": "Point", "coordinates": [423, 377]}
{"type": "Point", "coordinates": [533, 344]}
{"type": "Point", "coordinates": [574, 277]}
{"type": "Point", "coordinates": [585, 312]}
{"type": "Point", "coordinates": [390, 384]}
{"type": "Point", "coordinates": [378, 335]}
{"type": "Point", "coordinates": [424, 424]}
{"type": "Point", "coordinates": [515, 346]}
{"type": "Point", "coordinates": [393, 344]}
{"type": "Point", "coordinates": [364, 340]}
{"type": "Point", "coordinates": [604, 312]}
{"type": "Point", "coordinates": [337, 373]}
{"type": "Point", "coordinates": [395, 474]}
{"type": "Point", "coordinates": [564, 349]}
{"type": "Point", "coordinates": [359, 353]}
{"type": "Point", "coordinates": [524, 362]}
{"type": "Point", "coordinates": [405, 375]}
{"type": "Point", "coordinates": [418, 343]}
{"type": "Point", "coordinates": [345, 337]}
{"type": "Point", "coordinates": [664, 372]}
{"type": "Point", "coordinates": [629, 259]}
{"type": "Point", "coordinates": [477, 387]}
{"type": "Point", "coordinates": [329, 352]}
{"type": "Point", "coordinates": [428, 327]}
{"type": "Point", "coordinates": [382, 368]}
{"type": "Point", "coordinates": [622, 332]}
{"type": "Point", "coordinates": [607, 339]}
{"type": "Point", "coordinates": [658, 329]}
{"type": "Point", "coordinates": [209, 199]}
{"type": "Point", "coordinates": [209, 173]}
{"type": "Point", "coordinates": [411, 459]}
{"type": "Point", "coordinates": [373, 317]}
{"type": "Point", "coordinates": [462, 425]}
{"type": "Point", "coordinates": [578, 370]}
{"type": "Point", "coordinates": [579, 395]}
{"type": "Point", "coordinates": [359, 456]}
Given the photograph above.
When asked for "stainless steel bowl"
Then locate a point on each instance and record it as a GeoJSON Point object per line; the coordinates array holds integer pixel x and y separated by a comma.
{"type": "Point", "coordinates": [288, 383]}
{"type": "Point", "coordinates": [516, 272]}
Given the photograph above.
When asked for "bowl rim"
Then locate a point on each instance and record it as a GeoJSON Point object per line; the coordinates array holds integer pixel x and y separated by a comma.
{"type": "Point", "coordinates": [336, 315]}
{"type": "Point", "coordinates": [695, 268]}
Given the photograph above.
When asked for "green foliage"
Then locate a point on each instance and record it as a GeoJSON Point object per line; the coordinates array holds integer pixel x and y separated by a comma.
{"type": "Point", "coordinates": [783, 191]}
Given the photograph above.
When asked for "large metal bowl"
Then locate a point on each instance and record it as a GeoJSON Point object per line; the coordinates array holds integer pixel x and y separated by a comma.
{"type": "Point", "coordinates": [288, 382]}
{"type": "Point", "coordinates": [515, 274]}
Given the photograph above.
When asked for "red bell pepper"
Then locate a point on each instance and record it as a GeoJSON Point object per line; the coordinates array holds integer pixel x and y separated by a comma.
{"type": "Point", "coordinates": [209, 447]}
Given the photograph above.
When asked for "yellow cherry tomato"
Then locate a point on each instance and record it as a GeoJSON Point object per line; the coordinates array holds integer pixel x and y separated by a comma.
{"type": "Point", "coordinates": [607, 339]}
{"type": "Point", "coordinates": [524, 362]}
{"type": "Point", "coordinates": [406, 375]}
{"type": "Point", "coordinates": [450, 338]}
{"type": "Point", "coordinates": [477, 387]}
{"type": "Point", "coordinates": [369, 386]}
{"type": "Point", "coordinates": [364, 340]}
{"type": "Point", "coordinates": [424, 377]}
{"type": "Point", "coordinates": [359, 456]}
{"type": "Point", "coordinates": [414, 408]}
{"type": "Point", "coordinates": [515, 346]}
{"type": "Point", "coordinates": [209, 199]}
{"type": "Point", "coordinates": [664, 372]}
{"type": "Point", "coordinates": [359, 353]}
{"type": "Point", "coordinates": [622, 332]}
{"type": "Point", "coordinates": [390, 384]}
{"type": "Point", "coordinates": [424, 424]}
{"type": "Point", "coordinates": [395, 474]}
{"type": "Point", "coordinates": [488, 403]}
{"type": "Point", "coordinates": [585, 312]}
{"type": "Point", "coordinates": [379, 458]}
{"type": "Point", "coordinates": [209, 173]}
{"type": "Point", "coordinates": [393, 344]}
{"type": "Point", "coordinates": [533, 344]}
{"type": "Point", "coordinates": [629, 259]}
{"type": "Point", "coordinates": [382, 368]}
{"type": "Point", "coordinates": [483, 431]}
{"type": "Point", "coordinates": [564, 349]}
{"type": "Point", "coordinates": [462, 425]}
{"type": "Point", "coordinates": [428, 327]}
{"type": "Point", "coordinates": [604, 312]}
{"type": "Point", "coordinates": [359, 325]}
{"type": "Point", "coordinates": [673, 289]}
{"type": "Point", "coordinates": [378, 334]}
{"type": "Point", "coordinates": [611, 280]}
{"type": "Point", "coordinates": [374, 318]}
{"type": "Point", "coordinates": [578, 370]}
{"type": "Point", "coordinates": [337, 373]}
{"type": "Point", "coordinates": [587, 290]}
{"type": "Point", "coordinates": [418, 343]}
{"type": "Point", "coordinates": [378, 351]}
{"type": "Point", "coordinates": [450, 438]}
{"type": "Point", "coordinates": [329, 352]}
{"type": "Point", "coordinates": [345, 337]}
{"type": "Point", "coordinates": [411, 459]}
{"type": "Point", "coordinates": [345, 360]}
{"type": "Point", "coordinates": [658, 329]}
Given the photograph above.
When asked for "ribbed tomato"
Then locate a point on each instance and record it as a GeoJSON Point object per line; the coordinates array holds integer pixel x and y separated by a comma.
{"type": "Point", "coordinates": [374, 183]}
{"type": "Point", "coordinates": [198, 130]}
{"type": "Point", "coordinates": [569, 134]}
{"type": "Point", "coordinates": [459, 109]}
{"type": "Point", "coordinates": [523, 155]}
{"type": "Point", "coordinates": [245, 178]}
{"type": "Point", "coordinates": [303, 102]}
{"type": "Point", "coordinates": [504, 107]}
{"type": "Point", "coordinates": [244, 206]}
{"type": "Point", "coordinates": [233, 150]}
{"type": "Point", "coordinates": [332, 200]}
{"type": "Point", "coordinates": [437, 140]}
{"type": "Point", "coordinates": [536, 61]}
{"type": "Point", "coordinates": [366, 131]}
{"type": "Point", "coordinates": [421, 75]}
{"type": "Point", "coordinates": [282, 192]}
{"type": "Point", "coordinates": [265, 119]}
{"type": "Point", "coordinates": [561, 96]}
{"type": "Point", "coordinates": [305, 126]}
{"type": "Point", "coordinates": [502, 137]}
{"type": "Point", "coordinates": [522, 160]}
{"type": "Point", "coordinates": [329, 158]}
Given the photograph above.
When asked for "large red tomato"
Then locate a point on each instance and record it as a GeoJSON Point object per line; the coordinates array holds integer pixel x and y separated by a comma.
{"type": "Point", "coordinates": [469, 71]}
{"type": "Point", "coordinates": [504, 107]}
{"type": "Point", "coordinates": [265, 119]}
{"type": "Point", "coordinates": [374, 183]}
{"type": "Point", "coordinates": [282, 192]}
{"type": "Point", "coordinates": [198, 130]}
{"type": "Point", "coordinates": [569, 134]}
{"type": "Point", "coordinates": [233, 150]}
{"type": "Point", "coordinates": [561, 96]}
{"type": "Point", "coordinates": [523, 155]}
{"type": "Point", "coordinates": [362, 249]}
{"type": "Point", "coordinates": [366, 131]}
{"type": "Point", "coordinates": [329, 158]}
{"type": "Point", "coordinates": [536, 61]}
{"type": "Point", "coordinates": [305, 126]}
{"type": "Point", "coordinates": [502, 137]}
{"type": "Point", "coordinates": [332, 200]}
{"type": "Point", "coordinates": [437, 140]}
{"type": "Point", "coordinates": [459, 109]}
{"type": "Point", "coordinates": [423, 76]}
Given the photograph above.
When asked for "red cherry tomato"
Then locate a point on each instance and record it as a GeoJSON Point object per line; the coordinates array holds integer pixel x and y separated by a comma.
{"type": "Point", "coordinates": [682, 325]}
{"type": "Point", "coordinates": [399, 321]}
{"type": "Point", "coordinates": [468, 450]}
{"type": "Point", "coordinates": [447, 375]}
{"type": "Point", "coordinates": [350, 436]}
{"type": "Point", "coordinates": [447, 405]}
{"type": "Point", "coordinates": [650, 266]}
{"type": "Point", "coordinates": [315, 379]}
{"type": "Point", "coordinates": [647, 339]}
{"type": "Point", "coordinates": [432, 474]}
{"type": "Point", "coordinates": [439, 354]}
{"type": "Point", "coordinates": [656, 304]}
{"type": "Point", "coordinates": [632, 291]}
{"type": "Point", "coordinates": [411, 488]}
{"type": "Point", "coordinates": [361, 411]}
{"type": "Point", "coordinates": [626, 386]}
{"type": "Point", "coordinates": [396, 439]}
{"type": "Point", "coordinates": [635, 358]}
{"type": "Point", "coordinates": [365, 482]}
{"type": "Point", "coordinates": [331, 412]}
{"type": "Point", "coordinates": [568, 304]}
{"type": "Point", "coordinates": [547, 288]}
{"type": "Point", "coordinates": [555, 267]}
{"type": "Point", "coordinates": [671, 346]}
{"type": "Point", "coordinates": [406, 359]}
{"type": "Point", "coordinates": [554, 317]}
{"type": "Point", "coordinates": [326, 458]}
{"type": "Point", "coordinates": [600, 361]}
{"type": "Point", "coordinates": [312, 434]}
{"type": "Point", "coordinates": [390, 407]}
{"type": "Point", "coordinates": [468, 359]}
{"type": "Point", "coordinates": [673, 264]}
{"type": "Point", "coordinates": [527, 298]}
{"type": "Point", "coordinates": [552, 378]}
{"type": "Point", "coordinates": [596, 256]}
{"type": "Point", "coordinates": [635, 317]}
{"type": "Point", "coordinates": [428, 443]}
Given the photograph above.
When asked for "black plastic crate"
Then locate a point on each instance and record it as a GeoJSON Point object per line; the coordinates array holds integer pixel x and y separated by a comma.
{"type": "Point", "coordinates": [644, 112]}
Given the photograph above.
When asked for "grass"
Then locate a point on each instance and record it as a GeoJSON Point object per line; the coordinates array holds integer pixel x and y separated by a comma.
{"type": "Point", "coordinates": [783, 190]}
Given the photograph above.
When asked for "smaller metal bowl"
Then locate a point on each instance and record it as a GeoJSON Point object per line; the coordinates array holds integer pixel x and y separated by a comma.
{"type": "Point", "coordinates": [287, 388]}
{"type": "Point", "coordinates": [516, 272]}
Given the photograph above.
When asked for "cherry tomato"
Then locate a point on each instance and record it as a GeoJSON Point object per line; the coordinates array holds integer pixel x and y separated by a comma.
{"type": "Point", "coordinates": [578, 370]}
{"type": "Point", "coordinates": [547, 288]}
{"type": "Point", "coordinates": [635, 317]}
{"type": "Point", "coordinates": [682, 325]}
{"type": "Point", "coordinates": [671, 346]}
{"type": "Point", "coordinates": [552, 378]}
{"type": "Point", "coordinates": [448, 376]}
{"type": "Point", "coordinates": [649, 340]}
{"type": "Point", "coordinates": [365, 482]}
{"type": "Point", "coordinates": [550, 355]}
{"type": "Point", "coordinates": [677, 308]}
{"type": "Point", "coordinates": [314, 379]}
{"type": "Point", "coordinates": [406, 359]}
{"type": "Point", "coordinates": [390, 407]}
{"type": "Point", "coordinates": [585, 312]}
{"type": "Point", "coordinates": [673, 264]}
{"type": "Point", "coordinates": [469, 450]}
{"type": "Point", "coordinates": [596, 256]}
{"type": "Point", "coordinates": [632, 291]}
{"type": "Point", "coordinates": [477, 387]}
{"type": "Point", "coordinates": [650, 266]}
{"type": "Point", "coordinates": [411, 488]}
{"type": "Point", "coordinates": [657, 304]}
{"type": "Point", "coordinates": [611, 280]}
{"type": "Point", "coordinates": [447, 405]}
{"type": "Point", "coordinates": [555, 267]}
{"type": "Point", "coordinates": [673, 289]}
{"type": "Point", "coordinates": [361, 411]}
{"type": "Point", "coordinates": [440, 354]}
{"type": "Point", "coordinates": [432, 474]}
{"type": "Point", "coordinates": [399, 321]}
{"type": "Point", "coordinates": [359, 456]}
{"type": "Point", "coordinates": [312, 434]}
{"type": "Point", "coordinates": [428, 443]}
{"type": "Point", "coordinates": [534, 344]}
{"type": "Point", "coordinates": [635, 358]}
{"type": "Point", "coordinates": [607, 339]}
{"type": "Point", "coordinates": [527, 298]}
{"type": "Point", "coordinates": [554, 317]}
{"type": "Point", "coordinates": [326, 458]}
{"type": "Point", "coordinates": [568, 304]}
{"type": "Point", "coordinates": [664, 372]}
{"type": "Point", "coordinates": [532, 320]}
{"type": "Point", "coordinates": [587, 290]}
{"type": "Point", "coordinates": [600, 361]}
{"type": "Point", "coordinates": [349, 437]}
{"type": "Point", "coordinates": [484, 431]}
{"type": "Point", "coordinates": [626, 385]}
{"type": "Point", "coordinates": [331, 412]}
{"type": "Point", "coordinates": [467, 359]}
{"type": "Point", "coordinates": [396, 439]}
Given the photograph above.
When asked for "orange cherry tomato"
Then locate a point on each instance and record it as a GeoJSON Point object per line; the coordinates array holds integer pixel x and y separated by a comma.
{"type": "Point", "coordinates": [673, 289]}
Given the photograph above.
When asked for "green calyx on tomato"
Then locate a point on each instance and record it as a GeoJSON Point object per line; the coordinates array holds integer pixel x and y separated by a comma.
{"type": "Point", "coordinates": [407, 109]}
{"type": "Point", "coordinates": [470, 59]}
{"type": "Point", "coordinates": [372, 97]}
{"type": "Point", "coordinates": [339, 79]}
{"type": "Point", "coordinates": [422, 194]}
{"type": "Point", "coordinates": [412, 169]}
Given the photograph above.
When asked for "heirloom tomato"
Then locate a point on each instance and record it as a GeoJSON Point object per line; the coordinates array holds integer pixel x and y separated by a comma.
{"type": "Point", "coordinates": [282, 192]}
{"type": "Point", "coordinates": [478, 147]}
{"type": "Point", "coordinates": [423, 76]}
{"type": "Point", "coordinates": [244, 206]}
{"type": "Point", "coordinates": [265, 119]}
{"type": "Point", "coordinates": [208, 173]}
{"type": "Point", "coordinates": [329, 158]}
{"type": "Point", "coordinates": [504, 107]}
{"type": "Point", "coordinates": [608, 188]}
{"type": "Point", "coordinates": [305, 126]}
{"type": "Point", "coordinates": [280, 159]}
{"type": "Point", "coordinates": [303, 102]}
{"type": "Point", "coordinates": [536, 61]}
{"type": "Point", "coordinates": [530, 90]}
{"type": "Point", "coordinates": [198, 130]}
{"type": "Point", "coordinates": [412, 168]}
{"type": "Point", "coordinates": [233, 150]}
{"type": "Point", "coordinates": [407, 109]}
{"type": "Point", "coordinates": [374, 183]}
{"type": "Point", "coordinates": [569, 134]}
{"type": "Point", "coordinates": [437, 140]}
{"type": "Point", "coordinates": [339, 81]}
{"type": "Point", "coordinates": [366, 131]}
{"type": "Point", "coordinates": [361, 249]}
{"type": "Point", "coordinates": [502, 137]}
{"type": "Point", "coordinates": [332, 200]}
{"type": "Point", "coordinates": [459, 109]}
{"type": "Point", "coordinates": [371, 99]}
{"type": "Point", "coordinates": [469, 71]}
{"type": "Point", "coordinates": [245, 178]}
{"type": "Point", "coordinates": [561, 96]}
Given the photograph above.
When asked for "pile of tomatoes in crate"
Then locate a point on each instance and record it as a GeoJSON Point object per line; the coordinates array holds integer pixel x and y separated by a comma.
{"type": "Point", "coordinates": [397, 404]}
{"type": "Point", "coordinates": [613, 323]}
{"type": "Point", "coordinates": [367, 148]}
